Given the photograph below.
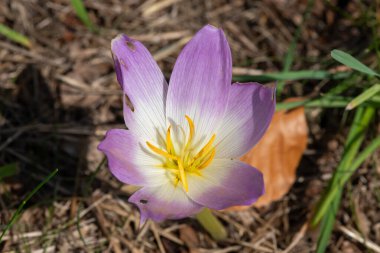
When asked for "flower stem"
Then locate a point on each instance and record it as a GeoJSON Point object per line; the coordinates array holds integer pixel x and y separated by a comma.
{"type": "Point", "coordinates": [212, 224]}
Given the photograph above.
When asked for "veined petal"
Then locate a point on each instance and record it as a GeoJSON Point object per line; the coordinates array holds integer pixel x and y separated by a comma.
{"type": "Point", "coordinates": [226, 183]}
{"type": "Point", "coordinates": [143, 82]}
{"type": "Point", "coordinates": [200, 83]}
{"type": "Point", "coordinates": [164, 202]}
{"type": "Point", "coordinates": [250, 110]}
{"type": "Point", "coordinates": [129, 162]}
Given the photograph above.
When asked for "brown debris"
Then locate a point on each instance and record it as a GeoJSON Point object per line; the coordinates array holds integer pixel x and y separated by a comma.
{"type": "Point", "coordinates": [58, 98]}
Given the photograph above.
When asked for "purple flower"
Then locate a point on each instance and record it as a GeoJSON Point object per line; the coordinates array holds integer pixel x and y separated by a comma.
{"type": "Point", "coordinates": [184, 140]}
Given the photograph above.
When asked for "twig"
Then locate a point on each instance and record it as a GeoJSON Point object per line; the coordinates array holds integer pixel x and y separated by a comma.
{"type": "Point", "coordinates": [297, 238]}
{"type": "Point", "coordinates": [165, 52]}
{"type": "Point", "coordinates": [11, 138]}
{"type": "Point", "coordinates": [159, 37]}
{"type": "Point", "coordinates": [157, 236]}
{"type": "Point", "coordinates": [31, 54]}
{"type": "Point", "coordinates": [158, 6]}
{"type": "Point", "coordinates": [357, 237]}
{"type": "Point", "coordinates": [246, 71]}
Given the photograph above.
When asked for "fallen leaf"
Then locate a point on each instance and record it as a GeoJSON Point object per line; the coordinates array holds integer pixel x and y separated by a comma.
{"type": "Point", "coordinates": [278, 154]}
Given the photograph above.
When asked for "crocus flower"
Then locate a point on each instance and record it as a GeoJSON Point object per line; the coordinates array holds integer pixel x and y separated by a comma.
{"type": "Point", "coordinates": [184, 140]}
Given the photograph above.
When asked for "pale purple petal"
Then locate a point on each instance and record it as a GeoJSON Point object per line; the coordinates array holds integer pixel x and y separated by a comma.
{"type": "Point", "coordinates": [164, 202]}
{"type": "Point", "coordinates": [249, 112]}
{"type": "Point", "coordinates": [129, 162]}
{"type": "Point", "coordinates": [200, 83]}
{"type": "Point", "coordinates": [226, 183]}
{"type": "Point", "coordinates": [143, 82]}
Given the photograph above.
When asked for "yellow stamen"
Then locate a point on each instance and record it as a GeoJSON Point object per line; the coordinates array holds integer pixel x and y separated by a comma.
{"type": "Point", "coordinates": [186, 159]}
{"type": "Point", "coordinates": [169, 165]}
{"type": "Point", "coordinates": [169, 145]}
{"type": "Point", "coordinates": [192, 129]}
{"type": "Point", "coordinates": [208, 161]}
{"type": "Point", "coordinates": [182, 175]}
{"type": "Point", "coordinates": [206, 148]}
{"type": "Point", "coordinates": [176, 181]}
{"type": "Point", "coordinates": [161, 152]}
{"type": "Point", "coordinates": [185, 162]}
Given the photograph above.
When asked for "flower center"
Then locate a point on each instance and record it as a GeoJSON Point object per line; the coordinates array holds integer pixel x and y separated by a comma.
{"type": "Point", "coordinates": [186, 160]}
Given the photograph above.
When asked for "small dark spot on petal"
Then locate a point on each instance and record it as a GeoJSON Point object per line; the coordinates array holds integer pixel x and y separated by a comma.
{"type": "Point", "coordinates": [131, 46]}
{"type": "Point", "coordinates": [128, 103]}
{"type": "Point", "coordinates": [143, 201]}
{"type": "Point", "coordinates": [119, 74]}
{"type": "Point", "coordinates": [122, 62]}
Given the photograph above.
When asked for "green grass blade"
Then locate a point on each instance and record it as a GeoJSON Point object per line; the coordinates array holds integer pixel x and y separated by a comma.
{"type": "Point", "coordinates": [367, 94]}
{"type": "Point", "coordinates": [362, 119]}
{"type": "Point", "coordinates": [8, 170]}
{"type": "Point", "coordinates": [345, 176]}
{"type": "Point", "coordinates": [292, 75]}
{"type": "Point", "coordinates": [291, 105]}
{"type": "Point", "coordinates": [327, 101]}
{"type": "Point", "coordinates": [23, 203]}
{"type": "Point", "coordinates": [289, 57]}
{"type": "Point", "coordinates": [211, 224]}
{"type": "Point", "coordinates": [375, 99]}
{"type": "Point", "coordinates": [352, 62]}
{"type": "Point", "coordinates": [323, 102]}
{"type": "Point", "coordinates": [327, 225]}
{"type": "Point", "coordinates": [345, 85]}
{"type": "Point", "coordinates": [327, 211]}
{"type": "Point", "coordinates": [15, 36]}
{"type": "Point", "coordinates": [81, 11]}
{"type": "Point", "coordinates": [328, 220]}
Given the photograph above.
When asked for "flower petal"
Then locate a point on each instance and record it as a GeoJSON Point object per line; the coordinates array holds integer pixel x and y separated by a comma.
{"type": "Point", "coordinates": [249, 112]}
{"type": "Point", "coordinates": [144, 84]}
{"type": "Point", "coordinates": [129, 162]}
{"type": "Point", "coordinates": [200, 82]}
{"type": "Point", "coordinates": [226, 183]}
{"type": "Point", "coordinates": [164, 202]}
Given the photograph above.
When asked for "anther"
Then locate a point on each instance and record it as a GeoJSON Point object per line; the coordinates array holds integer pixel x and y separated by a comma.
{"type": "Point", "coordinates": [191, 127]}
{"type": "Point", "coordinates": [161, 152]}
{"type": "Point", "coordinates": [182, 175]}
{"type": "Point", "coordinates": [206, 148]}
{"type": "Point", "coordinates": [169, 145]}
{"type": "Point", "coordinates": [208, 161]}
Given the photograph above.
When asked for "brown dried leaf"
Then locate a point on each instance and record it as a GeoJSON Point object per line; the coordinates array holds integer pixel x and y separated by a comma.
{"type": "Point", "coordinates": [278, 154]}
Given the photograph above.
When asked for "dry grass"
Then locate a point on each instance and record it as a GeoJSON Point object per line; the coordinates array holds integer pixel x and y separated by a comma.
{"type": "Point", "coordinates": [58, 98]}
